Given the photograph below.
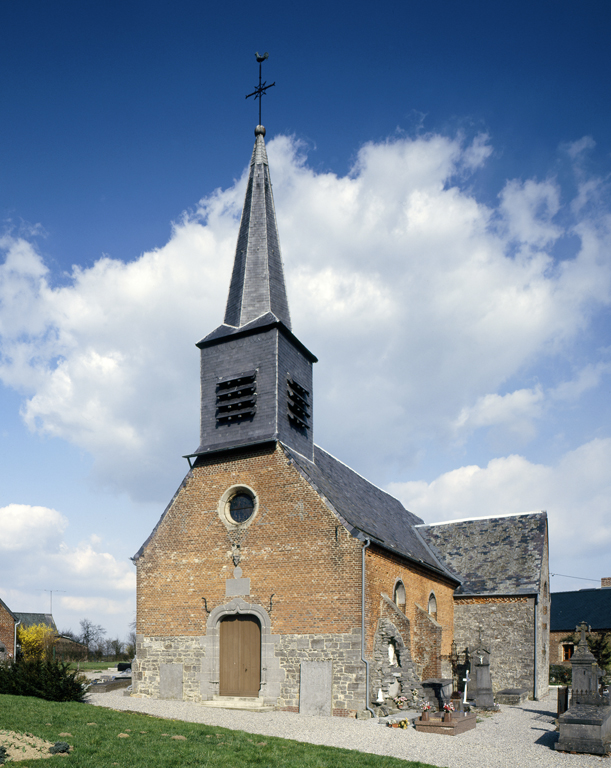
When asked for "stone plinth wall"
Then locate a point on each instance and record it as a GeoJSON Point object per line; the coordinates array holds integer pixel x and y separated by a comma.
{"type": "Point", "coordinates": [507, 630]}
{"type": "Point", "coordinates": [7, 630]}
{"type": "Point", "coordinates": [185, 654]}
{"type": "Point", "coordinates": [176, 668]}
{"type": "Point", "coordinates": [344, 651]}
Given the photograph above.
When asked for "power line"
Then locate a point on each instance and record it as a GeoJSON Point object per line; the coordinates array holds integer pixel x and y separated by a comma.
{"type": "Point", "coordinates": [564, 576]}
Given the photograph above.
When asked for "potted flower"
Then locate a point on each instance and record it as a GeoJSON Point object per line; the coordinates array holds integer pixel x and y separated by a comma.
{"type": "Point", "coordinates": [425, 710]}
{"type": "Point", "coordinates": [448, 708]}
{"type": "Point", "coordinates": [401, 701]}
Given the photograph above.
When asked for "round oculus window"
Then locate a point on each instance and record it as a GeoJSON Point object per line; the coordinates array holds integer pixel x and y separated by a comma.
{"type": "Point", "coordinates": [241, 507]}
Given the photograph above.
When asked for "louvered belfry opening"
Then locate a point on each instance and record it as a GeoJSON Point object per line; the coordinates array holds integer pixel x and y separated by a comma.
{"type": "Point", "coordinates": [236, 398]}
{"type": "Point", "coordinates": [298, 404]}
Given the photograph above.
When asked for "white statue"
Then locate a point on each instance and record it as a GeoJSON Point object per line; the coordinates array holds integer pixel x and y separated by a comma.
{"type": "Point", "coordinates": [392, 655]}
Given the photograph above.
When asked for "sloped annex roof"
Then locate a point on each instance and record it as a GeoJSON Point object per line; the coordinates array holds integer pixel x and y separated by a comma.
{"type": "Point", "coordinates": [367, 508]}
{"type": "Point", "coordinates": [493, 555]}
{"type": "Point", "coordinates": [29, 619]}
{"type": "Point", "coordinates": [568, 609]}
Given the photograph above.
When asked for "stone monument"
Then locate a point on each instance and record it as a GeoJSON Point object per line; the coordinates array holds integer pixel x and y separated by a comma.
{"type": "Point", "coordinates": [481, 686]}
{"type": "Point", "coordinates": [586, 725]}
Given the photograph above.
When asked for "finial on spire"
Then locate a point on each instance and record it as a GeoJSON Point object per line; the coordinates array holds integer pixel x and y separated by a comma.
{"type": "Point", "coordinates": [259, 91]}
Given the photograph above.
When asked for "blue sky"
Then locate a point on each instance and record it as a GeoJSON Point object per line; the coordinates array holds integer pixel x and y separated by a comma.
{"type": "Point", "coordinates": [441, 174]}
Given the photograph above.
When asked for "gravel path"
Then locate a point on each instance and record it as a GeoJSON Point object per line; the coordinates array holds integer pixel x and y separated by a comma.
{"type": "Point", "coordinates": [521, 736]}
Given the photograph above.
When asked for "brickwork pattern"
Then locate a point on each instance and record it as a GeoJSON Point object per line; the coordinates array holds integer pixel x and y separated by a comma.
{"type": "Point", "coordinates": [294, 549]}
{"type": "Point", "coordinates": [427, 646]}
{"type": "Point", "coordinates": [7, 629]}
{"type": "Point", "coordinates": [383, 570]}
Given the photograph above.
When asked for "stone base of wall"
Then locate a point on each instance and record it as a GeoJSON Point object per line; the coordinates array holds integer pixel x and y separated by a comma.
{"type": "Point", "coordinates": [178, 668]}
{"type": "Point", "coordinates": [168, 667]}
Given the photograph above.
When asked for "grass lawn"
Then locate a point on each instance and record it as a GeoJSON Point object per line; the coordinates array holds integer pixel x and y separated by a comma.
{"type": "Point", "coordinates": [150, 743]}
{"type": "Point", "coordinates": [91, 666]}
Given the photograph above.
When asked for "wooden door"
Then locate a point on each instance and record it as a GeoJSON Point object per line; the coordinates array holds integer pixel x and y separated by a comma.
{"type": "Point", "coordinates": [240, 656]}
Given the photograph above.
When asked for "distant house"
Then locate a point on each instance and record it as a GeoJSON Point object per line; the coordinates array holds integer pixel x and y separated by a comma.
{"type": "Point", "coordinates": [7, 630]}
{"type": "Point", "coordinates": [568, 609]}
{"type": "Point", "coordinates": [32, 619]}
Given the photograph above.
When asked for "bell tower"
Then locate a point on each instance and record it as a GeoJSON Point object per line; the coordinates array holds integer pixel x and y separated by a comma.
{"type": "Point", "coordinates": [256, 376]}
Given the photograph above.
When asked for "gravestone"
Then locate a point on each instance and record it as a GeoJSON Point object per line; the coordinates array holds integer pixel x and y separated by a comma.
{"type": "Point", "coordinates": [481, 687]}
{"type": "Point", "coordinates": [315, 688]}
{"type": "Point", "coordinates": [586, 725]}
{"type": "Point", "coordinates": [170, 681]}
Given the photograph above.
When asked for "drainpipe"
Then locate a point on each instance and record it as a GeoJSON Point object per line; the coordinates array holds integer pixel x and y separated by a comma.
{"type": "Point", "coordinates": [15, 641]}
{"type": "Point", "coordinates": [366, 544]}
{"type": "Point", "coordinates": [535, 697]}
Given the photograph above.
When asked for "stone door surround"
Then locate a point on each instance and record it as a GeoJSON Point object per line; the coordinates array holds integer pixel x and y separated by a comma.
{"type": "Point", "coordinates": [271, 673]}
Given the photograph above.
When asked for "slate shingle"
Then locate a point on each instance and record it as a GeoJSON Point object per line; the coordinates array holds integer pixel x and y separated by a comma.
{"type": "Point", "coordinates": [493, 555]}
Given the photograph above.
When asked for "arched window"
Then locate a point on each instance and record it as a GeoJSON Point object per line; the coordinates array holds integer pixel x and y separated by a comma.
{"type": "Point", "coordinates": [399, 596]}
{"type": "Point", "coordinates": [433, 606]}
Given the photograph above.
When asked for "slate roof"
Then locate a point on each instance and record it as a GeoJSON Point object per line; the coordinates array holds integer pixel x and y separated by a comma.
{"type": "Point", "coordinates": [257, 282]}
{"type": "Point", "coordinates": [29, 619]}
{"type": "Point", "coordinates": [493, 555]}
{"type": "Point", "coordinates": [268, 320]}
{"type": "Point", "coordinates": [568, 609]}
{"type": "Point", "coordinates": [366, 508]}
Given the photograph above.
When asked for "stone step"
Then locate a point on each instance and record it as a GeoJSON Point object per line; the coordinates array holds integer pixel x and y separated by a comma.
{"type": "Point", "coordinates": [238, 702]}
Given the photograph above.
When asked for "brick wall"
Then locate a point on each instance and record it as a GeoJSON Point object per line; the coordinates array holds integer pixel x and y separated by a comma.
{"type": "Point", "coordinates": [383, 570]}
{"type": "Point", "coordinates": [304, 571]}
{"type": "Point", "coordinates": [295, 549]}
{"type": "Point", "coordinates": [7, 629]}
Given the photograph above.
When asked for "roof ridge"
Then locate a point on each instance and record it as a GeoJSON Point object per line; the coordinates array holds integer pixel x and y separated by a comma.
{"type": "Point", "coordinates": [483, 517]}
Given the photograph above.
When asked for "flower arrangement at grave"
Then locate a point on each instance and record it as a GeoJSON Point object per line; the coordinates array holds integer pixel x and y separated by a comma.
{"type": "Point", "coordinates": [426, 706]}
{"type": "Point", "coordinates": [401, 701]}
{"type": "Point", "coordinates": [448, 707]}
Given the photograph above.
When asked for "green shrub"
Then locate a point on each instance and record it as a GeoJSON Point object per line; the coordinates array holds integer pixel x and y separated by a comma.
{"type": "Point", "coordinates": [46, 679]}
{"type": "Point", "coordinates": [560, 675]}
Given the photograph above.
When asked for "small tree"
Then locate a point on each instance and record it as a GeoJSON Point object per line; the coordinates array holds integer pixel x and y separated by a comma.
{"type": "Point", "coordinates": [599, 644]}
{"type": "Point", "coordinates": [36, 641]}
{"type": "Point", "coordinates": [92, 635]}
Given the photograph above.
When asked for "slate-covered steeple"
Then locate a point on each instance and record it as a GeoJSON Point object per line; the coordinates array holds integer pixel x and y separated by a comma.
{"type": "Point", "coordinates": [257, 283]}
{"type": "Point", "coordinates": [256, 376]}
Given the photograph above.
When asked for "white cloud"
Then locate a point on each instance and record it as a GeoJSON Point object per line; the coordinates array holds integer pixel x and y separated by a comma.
{"type": "Point", "coordinates": [575, 492]}
{"type": "Point", "coordinates": [408, 289]}
{"type": "Point", "coordinates": [24, 527]}
{"type": "Point", "coordinates": [35, 558]}
{"type": "Point", "coordinates": [515, 410]}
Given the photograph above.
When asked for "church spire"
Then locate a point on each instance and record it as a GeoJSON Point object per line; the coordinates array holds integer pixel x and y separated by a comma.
{"type": "Point", "coordinates": [257, 282]}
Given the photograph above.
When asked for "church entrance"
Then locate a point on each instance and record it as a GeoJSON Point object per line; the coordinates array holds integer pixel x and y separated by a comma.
{"type": "Point", "coordinates": [240, 656]}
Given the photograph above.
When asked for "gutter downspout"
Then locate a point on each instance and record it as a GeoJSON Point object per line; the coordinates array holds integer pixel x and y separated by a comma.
{"type": "Point", "coordinates": [15, 641]}
{"type": "Point", "coordinates": [366, 544]}
{"type": "Point", "coordinates": [536, 646]}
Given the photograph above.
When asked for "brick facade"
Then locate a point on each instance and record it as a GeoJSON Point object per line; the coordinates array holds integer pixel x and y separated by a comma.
{"type": "Point", "coordinates": [304, 571]}
{"type": "Point", "coordinates": [301, 570]}
{"type": "Point", "coordinates": [7, 628]}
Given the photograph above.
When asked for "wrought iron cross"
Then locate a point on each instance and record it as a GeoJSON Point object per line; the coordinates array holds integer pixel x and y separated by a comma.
{"type": "Point", "coordinates": [259, 91]}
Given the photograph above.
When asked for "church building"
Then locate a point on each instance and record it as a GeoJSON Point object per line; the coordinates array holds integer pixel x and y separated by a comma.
{"type": "Point", "coordinates": [280, 576]}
